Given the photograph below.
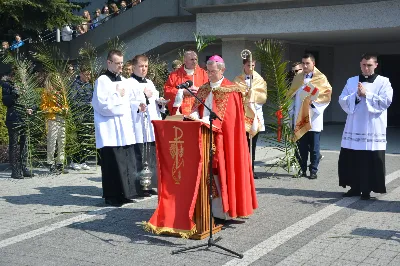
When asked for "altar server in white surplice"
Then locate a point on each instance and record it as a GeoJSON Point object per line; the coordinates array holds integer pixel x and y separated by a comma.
{"type": "Point", "coordinates": [365, 99]}
{"type": "Point", "coordinates": [145, 93]}
{"type": "Point", "coordinates": [112, 103]}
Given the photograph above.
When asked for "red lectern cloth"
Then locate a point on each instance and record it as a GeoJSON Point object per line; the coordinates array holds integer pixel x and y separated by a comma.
{"type": "Point", "coordinates": [179, 162]}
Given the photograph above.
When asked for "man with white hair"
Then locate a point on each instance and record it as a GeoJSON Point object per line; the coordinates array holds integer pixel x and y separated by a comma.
{"type": "Point", "coordinates": [181, 99]}
{"type": "Point", "coordinates": [235, 194]}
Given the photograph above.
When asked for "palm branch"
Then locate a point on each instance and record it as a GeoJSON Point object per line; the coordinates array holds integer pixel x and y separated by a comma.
{"type": "Point", "coordinates": [202, 41]}
{"type": "Point", "coordinates": [27, 82]}
{"type": "Point", "coordinates": [270, 53]}
{"type": "Point", "coordinates": [116, 44]}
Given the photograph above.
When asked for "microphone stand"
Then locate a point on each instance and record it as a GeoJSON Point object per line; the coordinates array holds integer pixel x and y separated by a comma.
{"type": "Point", "coordinates": [211, 242]}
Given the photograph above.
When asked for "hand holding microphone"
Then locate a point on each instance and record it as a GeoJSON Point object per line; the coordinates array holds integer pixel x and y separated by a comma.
{"type": "Point", "coordinates": [188, 85]}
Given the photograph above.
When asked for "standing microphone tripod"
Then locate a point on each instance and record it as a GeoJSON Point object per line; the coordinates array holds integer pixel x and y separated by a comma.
{"type": "Point", "coordinates": [211, 242]}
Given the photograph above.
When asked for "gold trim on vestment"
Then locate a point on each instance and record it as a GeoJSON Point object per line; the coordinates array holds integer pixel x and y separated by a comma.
{"type": "Point", "coordinates": [257, 94]}
{"type": "Point", "coordinates": [318, 80]}
{"type": "Point", "coordinates": [148, 227]}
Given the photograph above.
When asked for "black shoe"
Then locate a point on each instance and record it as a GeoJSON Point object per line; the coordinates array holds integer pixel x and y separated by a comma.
{"type": "Point", "coordinates": [153, 191]}
{"type": "Point", "coordinates": [127, 200]}
{"type": "Point", "coordinates": [61, 169]}
{"type": "Point", "coordinates": [113, 202]}
{"type": "Point", "coordinates": [17, 176]}
{"type": "Point", "coordinates": [351, 193]}
{"type": "Point", "coordinates": [54, 170]}
{"type": "Point", "coordinates": [302, 173]}
{"type": "Point", "coordinates": [313, 176]}
{"type": "Point", "coordinates": [365, 196]}
{"type": "Point", "coordinates": [28, 174]}
{"type": "Point", "coordinates": [144, 194]}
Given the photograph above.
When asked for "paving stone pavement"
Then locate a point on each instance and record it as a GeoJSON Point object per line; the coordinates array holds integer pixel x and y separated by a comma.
{"type": "Point", "coordinates": [62, 220]}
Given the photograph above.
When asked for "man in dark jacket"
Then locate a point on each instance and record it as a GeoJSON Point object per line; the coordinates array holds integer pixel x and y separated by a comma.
{"type": "Point", "coordinates": [16, 134]}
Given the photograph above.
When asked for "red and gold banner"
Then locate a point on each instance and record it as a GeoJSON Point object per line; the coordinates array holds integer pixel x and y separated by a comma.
{"type": "Point", "coordinates": [179, 162]}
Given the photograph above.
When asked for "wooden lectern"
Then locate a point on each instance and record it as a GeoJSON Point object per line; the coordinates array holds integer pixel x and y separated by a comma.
{"type": "Point", "coordinates": [201, 216]}
{"type": "Point", "coordinates": [202, 212]}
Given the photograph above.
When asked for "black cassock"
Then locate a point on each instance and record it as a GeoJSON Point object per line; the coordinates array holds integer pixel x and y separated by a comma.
{"type": "Point", "coordinates": [362, 170]}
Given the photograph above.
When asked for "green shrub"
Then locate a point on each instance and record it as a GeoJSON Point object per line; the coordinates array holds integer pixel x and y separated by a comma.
{"type": "Point", "coordinates": [3, 128]}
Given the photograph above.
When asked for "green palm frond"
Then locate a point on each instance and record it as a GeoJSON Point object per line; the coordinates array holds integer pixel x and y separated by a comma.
{"type": "Point", "coordinates": [116, 44]}
{"type": "Point", "coordinates": [158, 73]}
{"type": "Point", "coordinates": [270, 53]}
{"type": "Point", "coordinates": [88, 57]}
{"type": "Point", "coordinates": [202, 41]}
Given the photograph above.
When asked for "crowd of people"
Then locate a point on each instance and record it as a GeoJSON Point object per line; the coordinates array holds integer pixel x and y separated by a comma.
{"type": "Point", "coordinates": [99, 16]}
{"type": "Point", "coordinates": [124, 99]}
{"type": "Point", "coordinates": [16, 44]}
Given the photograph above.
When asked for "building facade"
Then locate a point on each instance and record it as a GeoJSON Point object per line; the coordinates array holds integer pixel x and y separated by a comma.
{"type": "Point", "coordinates": [338, 32]}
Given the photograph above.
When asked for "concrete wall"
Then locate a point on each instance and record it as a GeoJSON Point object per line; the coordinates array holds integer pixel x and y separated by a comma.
{"type": "Point", "coordinates": [300, 20]}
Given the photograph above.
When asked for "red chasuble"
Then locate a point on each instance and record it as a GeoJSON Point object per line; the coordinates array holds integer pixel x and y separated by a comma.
{"type": "Point", "coordinates": [232, 158]}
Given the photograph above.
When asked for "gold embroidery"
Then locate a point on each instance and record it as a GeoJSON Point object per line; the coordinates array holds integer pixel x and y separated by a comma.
{"type": "Point", "coordinates": [176, 150]}
{"type": "Point", "coordinates": [221, 101]}
{"type": "Point", "coordinates": [202, 94]}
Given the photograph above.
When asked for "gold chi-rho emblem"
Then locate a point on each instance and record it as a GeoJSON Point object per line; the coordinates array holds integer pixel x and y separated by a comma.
{"type": "Point", "coordinates": [176, 151]}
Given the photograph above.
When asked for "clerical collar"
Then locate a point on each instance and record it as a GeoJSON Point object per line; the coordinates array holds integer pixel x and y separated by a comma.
{"type": "Point", "coordinates": [139, 79]}
{"type": "Point", "coordinates": [189, 71]}
{"type": "Point", "coordinates": [113, 76]}
{"type": "Point", "coordinates": [216, 84]}
{"type": "Point", "coordinates": [369, 79]}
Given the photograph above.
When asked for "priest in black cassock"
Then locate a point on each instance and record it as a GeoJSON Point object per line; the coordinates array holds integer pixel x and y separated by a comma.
{"type": "Point", "coordinates": [365, 99]}
{"type": "Point", "coordinates": [114, 129]}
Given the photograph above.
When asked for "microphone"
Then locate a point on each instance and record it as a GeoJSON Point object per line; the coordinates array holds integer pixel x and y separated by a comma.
{"type": "Point", "coordinates": [185, 85]}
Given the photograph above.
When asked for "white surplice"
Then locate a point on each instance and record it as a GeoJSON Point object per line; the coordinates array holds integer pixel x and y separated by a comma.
{"type": "Point", "coordinates": [144, 130]}
{"type": "Point", "coordinates": [366, 121]}
{"type": "Point", "coordinates": [317, 112]}
{"type": "Point", "coordinates": [112, 113]}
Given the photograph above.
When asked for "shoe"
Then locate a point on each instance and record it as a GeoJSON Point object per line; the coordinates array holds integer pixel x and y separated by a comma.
{"type": "Point", "coordinates": [28, 174]}
{"type": "Point", "coordinates": [75, 166]}
{"type": "Point", "coordinates": [313, 176]}
{"type": "Point", "coordinates": [153, 191]}
{"type": "Point", "coordinates": [113, 202]}
{"type": "Point", "coordinates": [17, 176]}
{"type": "Point", "coordinates": [128, 201]}
{"type": "Point", "coordinates": [54, 170]}
{"type": "Point", "coordinates": [365, 196]}
{"type": "Point", "coordinates": [351, 193]}
{"type": "Point", "coordinates": [302, 173]}
{"type": "Point", "coordinates": [84, 166]}
{"type": "Point", "coordinates": [144, 194]}
{"type": "Point", "coordinates": [61, 169]}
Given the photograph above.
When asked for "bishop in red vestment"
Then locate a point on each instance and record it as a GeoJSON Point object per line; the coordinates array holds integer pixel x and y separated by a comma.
{"type": "Point", "coordinates": [235, 195]}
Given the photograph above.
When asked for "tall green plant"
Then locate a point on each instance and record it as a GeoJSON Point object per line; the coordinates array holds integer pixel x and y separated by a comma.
{"type": "Point", "coordinates": [26, 82]}
{"type": "Point", "coordinates": [116, 44]}
{"type": "Point", "coordinates": [158, 73]}
{"type": "Point", "coordinates": [270, 53]}
{"type": "Point", "coordinates": [202, 41]}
